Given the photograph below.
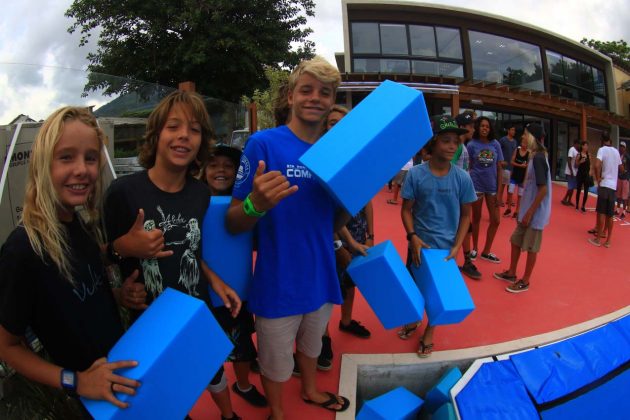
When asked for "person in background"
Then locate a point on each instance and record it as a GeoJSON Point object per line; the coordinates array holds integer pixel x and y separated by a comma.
{"type": "Point", "coordinates": [535, 212]}
{"type": "Point", "coordinates": [519, 159]}
{"type": "Point", "coordinates": [623, 183]}
{"type": "Point", "coordinates": [508, 146]}
{"type": "Point", "coordinates": [582, 178]}
{"type": "Point", "coordinates": [570, 172]}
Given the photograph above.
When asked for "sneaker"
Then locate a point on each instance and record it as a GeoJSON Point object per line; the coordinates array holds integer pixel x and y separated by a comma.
{"type": "Point", "coordinates": [623, 216]}
{"type": "Point", "coordinates": [472, 255]}
{"type": "Point", "coordinates": [252, 396]}
{"type": "Point", "coordinates": [517, 287]}
{"type": "Point", "coordinates": [583, 210]}
{"type": "Point", "coordinates": [491, 258]}
{"type": "Point", "coordinates": [594, 241]}
{"type": "Point", "coordinates": [507, 212]}
{"type": "Point", "coordinates": [355, 328]}
{"type": "Point", "coordinates": [505, 276]}
{"type": "Point", "coordinates": [324, 361]}
{"type": "Point", "coordinates": [296, 369]}
{"type": "Point", "coordinates": [470, 270]}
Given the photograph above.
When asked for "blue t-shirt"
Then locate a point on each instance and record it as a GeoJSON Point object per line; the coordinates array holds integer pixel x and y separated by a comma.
{"type": "Point", "coordinates": [484, 158]}
{"type": "Point", "coordinates": [537, 174]}
{"type": "Point", "coordinates": [295, 266]}
{"type": "Point", "coordinates": [437, 203]}
{"type": "Point", "coordinates": [507, 148]}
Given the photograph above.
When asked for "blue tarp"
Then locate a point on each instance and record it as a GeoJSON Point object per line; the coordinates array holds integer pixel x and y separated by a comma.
{"type": "Point", "coordinates": [556, 370]}
{"type": "Point", "coordinates": [496, 392]}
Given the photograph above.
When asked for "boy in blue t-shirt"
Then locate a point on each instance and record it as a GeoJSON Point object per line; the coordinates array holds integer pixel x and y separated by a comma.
{"type": "Point", "coordinates": [436, 206]}
{"type": "Point", "coordinates": [295, 282]}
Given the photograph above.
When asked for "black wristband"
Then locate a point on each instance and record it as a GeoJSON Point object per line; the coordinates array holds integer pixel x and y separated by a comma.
{"type": "Point", "coordinates": [410, 235]}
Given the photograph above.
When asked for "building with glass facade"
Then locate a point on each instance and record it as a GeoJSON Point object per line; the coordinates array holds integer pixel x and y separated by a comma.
{"type": "Point", "coordinates": [465, 59]}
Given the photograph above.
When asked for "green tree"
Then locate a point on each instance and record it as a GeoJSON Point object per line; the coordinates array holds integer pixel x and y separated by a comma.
{"type": "Point", "coordinates": [222, 45]}
{"type": "Point", "coordinates": [265, 98]}
{"type": "Point", "coordinates": [618, 51]}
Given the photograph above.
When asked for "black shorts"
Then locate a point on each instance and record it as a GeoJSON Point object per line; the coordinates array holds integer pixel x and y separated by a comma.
{"type": "Point", "coordinates": [239, 330]}
{"type": "Point", "coordinates": [606, 198]}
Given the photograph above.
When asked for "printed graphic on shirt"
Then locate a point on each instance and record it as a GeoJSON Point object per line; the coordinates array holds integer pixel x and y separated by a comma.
{"type": "Point", "coordinates": [243, 171]}
{"type": "Point", "coordinates": [486, 158]}
{"type": "Point", "coordinates": [298, 171]}
{"type": "Point", "coordinates": [172, 227]}
{"type": "Point", "coordinates": [90, 287]}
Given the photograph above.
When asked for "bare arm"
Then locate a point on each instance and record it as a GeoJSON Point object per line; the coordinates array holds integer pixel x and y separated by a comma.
{"type": "Point", "coordinates": [93, 383]}
{"type": "Point", "coordinates": [230, 298]}
{"type": "Point", "coordinates": [369, 217]}
{"type": "Point", "coordinates": [598, 171]}
{"type": "Point", "coordinates": [415, 243]}
{"type": "Point", "coordinates": [462, 229]}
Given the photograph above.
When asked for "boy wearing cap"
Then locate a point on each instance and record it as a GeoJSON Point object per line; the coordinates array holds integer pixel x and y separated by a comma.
{"type": "Point", "coordinates": [436, 208]}
{"type": "Point", "coordinates": [623, 185]}
{"type": "Point", "coordinates": [534, 213]}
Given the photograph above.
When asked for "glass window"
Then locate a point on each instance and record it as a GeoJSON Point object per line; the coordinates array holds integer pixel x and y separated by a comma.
{"type": "Point", "coordinates": [600, 85]}
{"type": "Point", "coordinates": [571, 71]}
{"type": "Point", "coordinates": [448, 42]}
{"type": "Point", "coordinates": [504, 60]}
{"type": "Point", "coordinates": [394, 66]}
{"type": "Point", "coordinates": [599, 102]}
{"type": "Point", "coordinates": [436, 68]}
{"type": "Point", "coordinates": [422, 40]}
{"type": "Point", "coordinates": [554, 61]}
{"type": "Point", "coordinates": [367, 65]}
{"type": "Point", "coordinates": [394, 39]}
{"type": "Point", "coordinates": [586, 76]}
{"type": "Point", "coordinates": [365, 38]}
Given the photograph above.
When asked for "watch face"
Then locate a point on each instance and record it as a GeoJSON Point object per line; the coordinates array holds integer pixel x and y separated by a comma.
{"type": "Point", "coordinates": [67, 378]}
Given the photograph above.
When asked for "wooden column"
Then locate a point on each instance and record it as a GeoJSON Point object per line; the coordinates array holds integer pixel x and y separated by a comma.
{"type": "Point", "coordinates": [583, 125]}
{"type": "Point", "coordinates": [253, 117]}
{"type": "Point", "coordinates": [454, 105]}
{"type": "Point", "coordinates": [186, 86]}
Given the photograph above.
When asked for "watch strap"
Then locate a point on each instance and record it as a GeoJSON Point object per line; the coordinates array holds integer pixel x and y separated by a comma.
{"type": "Point", "coordinates": [250, 210]}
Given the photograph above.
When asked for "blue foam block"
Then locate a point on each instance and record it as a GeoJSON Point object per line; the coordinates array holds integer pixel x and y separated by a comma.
{"type": "Point", "coordinates": [369, 145]}
{"type": "Point", "coordinates": [445, 412]}
{"type": "Point", "coordinates": [387, 286]}
{"type": "Point", "coordinates": [179, 347]}
{"type": "Point", "coordinates": [438, 395]}
{"type": "Point", "coordinates": [230, 256]}
{"type": "Point", "coordinates": [442, 285]}
{"type": "Point", "coordinates": [398, 404]}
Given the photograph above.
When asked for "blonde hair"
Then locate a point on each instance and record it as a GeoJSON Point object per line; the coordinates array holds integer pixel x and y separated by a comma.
{"type": "Point", "coordinates": [532, 144]}
{"type": "Point", "coordinates": [46, 234]}
{"type": "Point", "coordinates": [157, 120]}
{"type": "Point", "coordinates": [320, 69]}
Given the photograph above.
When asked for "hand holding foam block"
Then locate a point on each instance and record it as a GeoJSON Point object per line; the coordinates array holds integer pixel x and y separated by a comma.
{"type": "Point", "coordinates": [179, 347]}
{"type": "Point", "coordinates": [387, 286]}
{"type": "Point", "coordinates": [369, 145]}
{"type": "Point", "coordinates": [446, 295]}
{"type": "Point", "coordinates": [398, 404]}
{"type": "Point", "coordinates": [230, 256]}
{"type": "Point", "coordinates": [439, 393]}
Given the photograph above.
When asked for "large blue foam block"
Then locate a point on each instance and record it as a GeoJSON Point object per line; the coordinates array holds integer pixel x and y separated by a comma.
{"type": "Point", "coordinates": [228, 255]}
{"type": "Point", "coordinates": [179, 347]}
{"type": "Point", "coordinates": [387, 286]}
{"type": "Point", "coordinates": [438, 395]}
{"type": "Point", "coordinates": [442, 285]}
{"type": "Point", "coordinates": [369, 145]}
{"type": "Point", "coordinates": [445, 412]}
{"type": "Point", "coordinates": [398, 404]}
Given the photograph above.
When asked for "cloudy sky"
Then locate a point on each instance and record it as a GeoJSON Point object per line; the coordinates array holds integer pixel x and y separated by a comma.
{"type": "Point", "coordinates": [41, 65]}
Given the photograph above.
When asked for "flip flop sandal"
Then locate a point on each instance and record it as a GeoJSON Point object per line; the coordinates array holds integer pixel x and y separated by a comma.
{"type": "Point", "coordinates": [406, 332]}
{"type": "Point", "coordinates": [330, 402]}
{"type": "Point", "coordinates": [425, 350]}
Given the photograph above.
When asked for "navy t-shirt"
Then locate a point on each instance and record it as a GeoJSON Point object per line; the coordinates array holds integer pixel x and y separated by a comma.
{"type": "Point", "coordinates": [76, 323]}
{"type": "Point", "coordinates": [295, 266]}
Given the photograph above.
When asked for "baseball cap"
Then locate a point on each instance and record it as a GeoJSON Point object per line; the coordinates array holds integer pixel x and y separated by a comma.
{"type": "Point", "coordinates": [446, 124]}
{"type": "Point", "coordinates": [464, 119]}
{"type": "Point", "coordinates": [536, 130]}
{"type": "Point", "coordinates": [622, 143]}
{"type": "Point", "coordinates": [228, 151]}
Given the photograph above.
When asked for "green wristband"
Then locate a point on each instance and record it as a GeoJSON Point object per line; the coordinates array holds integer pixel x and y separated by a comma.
{"type": "Point", "coordinates": [250, 210]}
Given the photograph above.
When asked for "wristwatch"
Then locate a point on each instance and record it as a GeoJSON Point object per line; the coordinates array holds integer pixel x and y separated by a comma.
{"type": "Point", "coordinates": [337, 244]}
{"type": "Point", "coordinates": [69, 381]}
{"type": "Point", "coordinates": [410, 235]}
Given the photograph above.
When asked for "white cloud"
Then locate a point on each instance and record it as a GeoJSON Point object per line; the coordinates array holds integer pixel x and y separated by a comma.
{"type": "Point", "coordinates": [35, 32]}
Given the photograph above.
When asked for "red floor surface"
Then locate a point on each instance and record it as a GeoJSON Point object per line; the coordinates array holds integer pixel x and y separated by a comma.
{"type": "Point", "coordinates": [573, 281]}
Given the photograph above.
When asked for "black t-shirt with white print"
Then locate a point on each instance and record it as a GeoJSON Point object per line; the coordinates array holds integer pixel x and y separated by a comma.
{"type": "Point", "coordinates": [179, 215]}
{"type": "Point", "coordinates": [76, 324]}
